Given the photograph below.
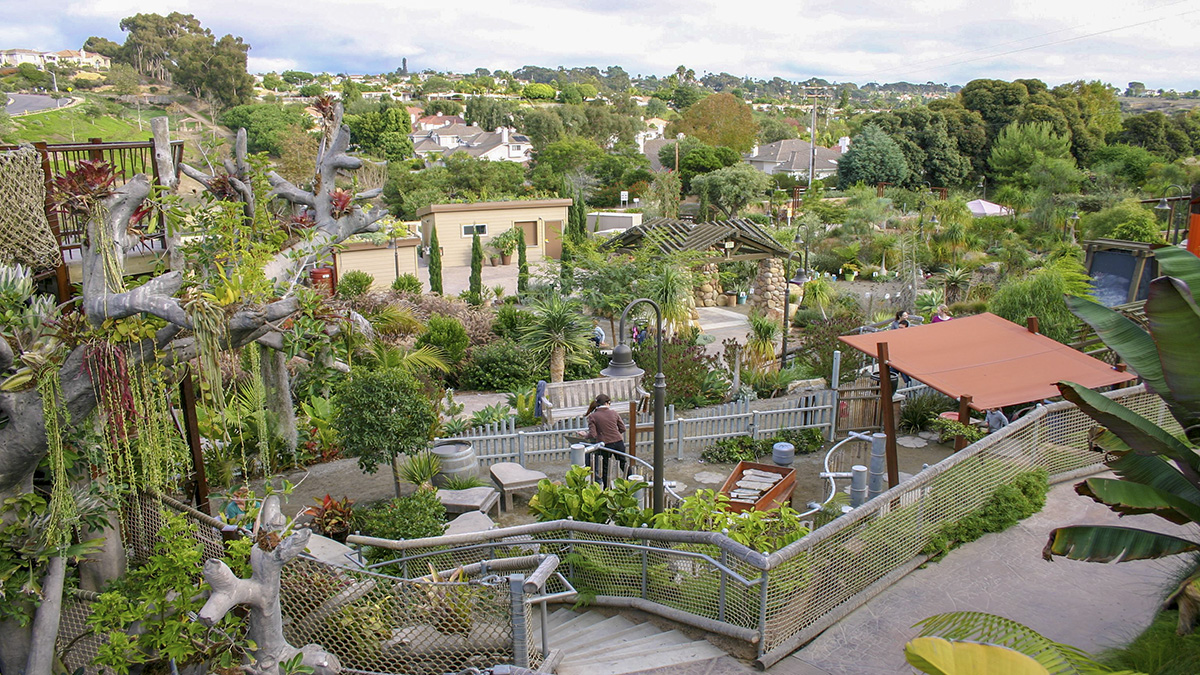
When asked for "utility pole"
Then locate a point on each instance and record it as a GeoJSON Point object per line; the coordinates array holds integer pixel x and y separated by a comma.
{"type": "Point", "coordinates": [812, 144]}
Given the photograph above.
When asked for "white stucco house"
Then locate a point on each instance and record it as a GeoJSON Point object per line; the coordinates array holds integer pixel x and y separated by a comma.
{"type": "Point", "coordinates": [792, 156]}
{"type": "Point", "coordinates": [502, 145]}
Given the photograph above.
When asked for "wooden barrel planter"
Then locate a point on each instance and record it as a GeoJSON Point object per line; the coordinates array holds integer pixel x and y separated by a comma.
{"type": "Point", "coordinates": [458, 460]}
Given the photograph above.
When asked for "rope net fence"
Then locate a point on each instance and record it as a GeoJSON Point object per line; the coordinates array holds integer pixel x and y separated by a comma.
{"type": "Point", "coordinates": [25, 234]}
{"type": "Point", "coordinates": [398, 624]}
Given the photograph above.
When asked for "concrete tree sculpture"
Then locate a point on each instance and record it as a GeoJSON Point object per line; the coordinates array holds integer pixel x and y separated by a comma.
{"type": "Point", "coordinates": [51, 386]}
{"type": "Point", "coordinates": [260, 594]}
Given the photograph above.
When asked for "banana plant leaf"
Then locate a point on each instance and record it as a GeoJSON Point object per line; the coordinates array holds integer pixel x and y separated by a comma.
{"type": "Point", "coordinates": [1108, 543]}
{"type": "Point", "coordinates": [938, 656]}
{"type": "Point", "coordinates": [1179, 263]}
{"type": "Point", "coordinates": [1139, 433]}
{"type": "Point", "coordinates": [1057, 658]}
{"type": "Point", "coordinates": [1175, 323]}
{"type": "Point", "coordinates": [1130, 341]}
{"type": "Point", "coordinates": [1129, 498]}
{"type": "Point", "coordinates": [1155, 472]}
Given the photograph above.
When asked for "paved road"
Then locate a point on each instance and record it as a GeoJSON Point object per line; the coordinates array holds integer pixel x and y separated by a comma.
{"type": "Point", "coordinates": [23, 103]}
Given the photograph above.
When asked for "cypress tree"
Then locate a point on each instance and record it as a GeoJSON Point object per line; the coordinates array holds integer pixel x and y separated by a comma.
{"type": "Point", "coordinates": [435, 264]}
{"type": "Point", "coordinates": [522, 262]}
{"type": "Point", "coordinates": [476, 283]}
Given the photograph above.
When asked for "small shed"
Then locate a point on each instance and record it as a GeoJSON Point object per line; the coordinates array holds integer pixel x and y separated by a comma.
{"type": "Point", "coordinates": [385, 261]}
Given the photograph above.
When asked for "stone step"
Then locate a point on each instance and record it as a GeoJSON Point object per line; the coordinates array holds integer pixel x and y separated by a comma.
{"type": "Point", "coordinates": [621, 639]}
{"type": "Point", "coordinates": [646, 644]}
{"type": "Point", "coordinates": [577, 637]}
{"type": "Point", "coordinates": [650, 659]}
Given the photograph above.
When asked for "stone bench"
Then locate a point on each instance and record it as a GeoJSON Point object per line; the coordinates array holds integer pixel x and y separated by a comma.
{"type": "Point", "coordinates": [482, 499]}
{"type": "Point", "coordinates": [471, 521]}
{"type": "Point", "coordinates": [510, 477]}
{"type": "Point", "coordinates": [571, 399]}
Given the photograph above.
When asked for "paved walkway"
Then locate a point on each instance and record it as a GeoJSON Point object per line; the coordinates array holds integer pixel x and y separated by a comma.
{"type": "Point", "coordinates": [1088, 605]}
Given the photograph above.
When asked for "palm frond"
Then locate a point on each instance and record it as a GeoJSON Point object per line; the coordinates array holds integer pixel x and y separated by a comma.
{"type": "Point", "coordinates": [1058, 658]}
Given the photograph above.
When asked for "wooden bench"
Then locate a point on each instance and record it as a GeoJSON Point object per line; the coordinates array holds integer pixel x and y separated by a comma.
{"type": "Point", "coordinates": [510, 477]}
{"type": "Point", "coordinates": [571, 399]}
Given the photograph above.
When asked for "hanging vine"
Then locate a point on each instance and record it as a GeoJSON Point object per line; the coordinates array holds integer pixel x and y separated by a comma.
{"type": "Point", "coordinates": [63, 511]}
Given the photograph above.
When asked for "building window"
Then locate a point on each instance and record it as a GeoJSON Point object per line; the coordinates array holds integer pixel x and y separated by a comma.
{"type": "Point", "coordinates": [470, 230]}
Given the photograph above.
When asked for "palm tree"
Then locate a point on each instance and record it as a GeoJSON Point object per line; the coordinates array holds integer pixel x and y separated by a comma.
{"type": "Point", "coordinates": [427, 357]}
{"type": "Point", "coordinates": [819, 292]}
{"type": "Point", "coordinates": [671, 288]}
{"type": "Point", "coordinates": [760, 345]}
{"type": "Point", "coordinates": [557, 336]}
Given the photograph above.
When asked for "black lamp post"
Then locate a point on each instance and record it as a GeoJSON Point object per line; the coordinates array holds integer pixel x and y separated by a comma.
{"type": "Point", "coordinates": [800, 279]}
{"type": "Point", "coordinates": [1165, 204]}
{"type": "Point", "coordinates": [622, 365]}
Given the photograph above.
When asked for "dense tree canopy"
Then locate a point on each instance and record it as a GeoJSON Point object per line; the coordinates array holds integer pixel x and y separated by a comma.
{"type": "Point", "coordinates": [731, 188]}
{"type": "Point", "coordinates": [266, 124]}
{"type": "Point", "coordinates": [720, 119]}
{"type": "Point", "coordinates": [873, 157]}
{"type": "Point", "coordinates": [1020, 147]}
{"type": "Point", "coordinates": [383, 132]}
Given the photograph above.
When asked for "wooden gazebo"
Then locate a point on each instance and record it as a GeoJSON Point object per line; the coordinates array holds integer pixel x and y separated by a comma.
{"type": "Point", "coordinates": [738, 238]}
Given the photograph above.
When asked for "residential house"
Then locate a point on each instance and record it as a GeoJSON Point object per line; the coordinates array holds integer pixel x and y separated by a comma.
{"type": "Point", "coordinates": [650, 148]}
{"type": "Point", "coordinates": [430, 122]}
{"type": "Point", "coordinates": [792, 156]}
{"type": "Point", "coordinates": [16, 57]}
{"type": "Point", "coordinates": [501, 145]}
{"type": "Point", "coordinates": [456, 224]}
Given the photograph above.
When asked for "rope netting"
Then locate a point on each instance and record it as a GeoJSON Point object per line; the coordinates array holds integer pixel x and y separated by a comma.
{"type": "Point", "coordinates": [25, 234]}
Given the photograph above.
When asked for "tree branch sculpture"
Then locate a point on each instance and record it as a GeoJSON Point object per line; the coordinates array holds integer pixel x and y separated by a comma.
{"type": "Point", "coordinates": [260, 593]}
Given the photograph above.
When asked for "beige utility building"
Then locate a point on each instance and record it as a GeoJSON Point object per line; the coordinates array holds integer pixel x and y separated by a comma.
{"type": "Point", "coordinates": [384, 261]}
{"type": "Point", "coordinates": [542, 220]}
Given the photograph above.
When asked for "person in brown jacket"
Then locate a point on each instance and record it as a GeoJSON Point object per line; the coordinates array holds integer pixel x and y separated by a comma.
{"type": "Point", "coordinates": [607, 427]}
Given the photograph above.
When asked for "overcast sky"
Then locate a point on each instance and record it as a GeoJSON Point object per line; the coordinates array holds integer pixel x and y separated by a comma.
{"type": "Point", "coordinates": [944, 41]}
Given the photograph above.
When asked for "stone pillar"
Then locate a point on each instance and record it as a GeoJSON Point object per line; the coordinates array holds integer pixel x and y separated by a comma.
{"type": "Point", "coordinates": [708, 285]}
{"type": "Point", "coordinates": [769, 286]}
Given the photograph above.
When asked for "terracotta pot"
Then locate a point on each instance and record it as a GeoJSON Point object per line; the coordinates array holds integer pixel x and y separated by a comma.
{"type": "Point", "coordinates": [505, 259]}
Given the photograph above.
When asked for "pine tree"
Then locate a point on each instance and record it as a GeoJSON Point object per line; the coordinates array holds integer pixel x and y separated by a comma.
{"type": "Point", "coordinates": [476, 283]}
{"type": "Point", "coordinates": [435, 263]}
{"type": "Point", "coordinates": [522, 262]}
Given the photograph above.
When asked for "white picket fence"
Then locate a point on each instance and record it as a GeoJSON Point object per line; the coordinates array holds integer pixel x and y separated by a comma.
{"type": "Point", "coordinates": [504, 442]}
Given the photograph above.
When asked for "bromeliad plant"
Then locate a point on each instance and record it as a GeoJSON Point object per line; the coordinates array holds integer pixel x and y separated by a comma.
{"type": "Point", "coordinates": [1158, 470]}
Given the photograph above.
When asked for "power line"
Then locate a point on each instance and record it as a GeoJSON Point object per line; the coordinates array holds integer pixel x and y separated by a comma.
{"type": "Point", "coordinates": [1044, 44]}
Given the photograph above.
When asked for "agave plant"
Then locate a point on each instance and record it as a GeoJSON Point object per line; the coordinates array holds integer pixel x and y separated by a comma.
{"type": "Point", "coordinates": [760, 344]}
{"type": "Point", "coordinates": [1158, 470]}
{"type": "Point", "coordinates": [955, 281]}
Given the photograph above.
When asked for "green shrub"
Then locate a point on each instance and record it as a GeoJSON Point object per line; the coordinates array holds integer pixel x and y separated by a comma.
{"type": "Point", "coordinates": [805, 316]}
{"type": "Point", "coordinates": [920, 410]}
{"type": "Point", "coordinates": [464, 482]}
{"type": "Point", "coordinates": [771, 383]}
{"type": "Point", "coordinates": [499, 366]}
{"type": "Point", "coordinates": [413, 516]}
{"type": "Point", "coordinates": [491, 414]}
{"type": "Point", "coordinates": [746, 448]}
{"type": "Point", "coordinates": [447, 333]}
{"type": "Point", "coordinates": [1012, 502]}
{"type": "Point", "coordinates": [407, 283]}
{"type": "Point", "coordinates": [353, 284]}
{"type": "Point", "coordinates": [585, 369]}
{"type": "Point", "coordinates": [731, 450]}
{"type": "Point", "coordinates": [968, 307]}
{"type": "Point", "coordinates": [378, 413]}
{"type": "Point", "coordinates": [948, 429]}
{"type": "Point", "coordinates": [588, 502]}
{"type": "Point", "coordinates": [510, 319]}
{"type": "Point", "coordinates": [685, 365]}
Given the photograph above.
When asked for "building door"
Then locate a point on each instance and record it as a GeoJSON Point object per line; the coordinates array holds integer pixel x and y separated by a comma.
{"type": "Point", "coordinates": [531, 233]}
{"type": "Point", "coordinates": [553, 239]}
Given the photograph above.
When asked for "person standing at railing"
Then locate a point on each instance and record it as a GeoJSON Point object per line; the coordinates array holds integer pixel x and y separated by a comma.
{"type": "Point", "coordinates": [605, 426]}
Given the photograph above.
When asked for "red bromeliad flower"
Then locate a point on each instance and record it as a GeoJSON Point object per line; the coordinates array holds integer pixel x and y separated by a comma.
{"type": "Point", "coordinates": [77, 191]}
{"type": "Point", "coordinates": [222, 188]}
{"type": "Point", "coordinates": [340, 201]}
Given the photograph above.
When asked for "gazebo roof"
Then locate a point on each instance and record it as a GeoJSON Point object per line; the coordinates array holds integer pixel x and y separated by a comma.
{"type": "Point", "coordinates": [994, 361]}
{"type": "Point", "coordinates": [750, 241]}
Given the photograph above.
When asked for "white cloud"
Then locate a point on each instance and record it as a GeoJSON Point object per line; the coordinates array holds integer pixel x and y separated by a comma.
{"type": "Point", "coordinates": [865, 40]}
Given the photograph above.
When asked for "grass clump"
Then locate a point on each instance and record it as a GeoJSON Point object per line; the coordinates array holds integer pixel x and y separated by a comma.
{"type": "Point", "coordinates": [1014, 501]}
{"type": "Point", "coordinates": [1159, 650]}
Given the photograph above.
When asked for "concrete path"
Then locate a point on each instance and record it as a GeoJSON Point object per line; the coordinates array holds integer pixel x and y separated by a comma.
{"type": "Point", "coordinates": [722, 324]}
{"type": "Point", "coordinates": [1088, 605]}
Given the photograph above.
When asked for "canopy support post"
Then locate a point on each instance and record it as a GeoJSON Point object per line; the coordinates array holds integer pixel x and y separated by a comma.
{"type": "Point", "coordinates": [964, 417]}
{"type": "Point", "coordinates": [889, 416]}
{"type": "Point", "coordinates": [1031, 324]}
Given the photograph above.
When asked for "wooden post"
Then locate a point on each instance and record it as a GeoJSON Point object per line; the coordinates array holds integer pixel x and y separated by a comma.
{"type": "Point", "coordinates": [62, 278]}
{"type": "Point", "coordinates": [191, 426]}
{"type": "Point", "coordinates": [1031, 324]}
{"type": "Point", "coordinates": [889, 418]}
{"type": "Point", "coordinates": [633, 430]}
{"type": "Point", "coordinates": [964, 415]}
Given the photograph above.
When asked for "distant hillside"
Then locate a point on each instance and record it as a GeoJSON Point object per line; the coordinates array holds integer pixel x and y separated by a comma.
{"type": "Point", "coordinates": [1145, 104]}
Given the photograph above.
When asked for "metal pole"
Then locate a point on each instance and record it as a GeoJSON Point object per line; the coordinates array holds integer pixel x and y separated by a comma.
{"type": "Point", "coordinates": [516, 595]}
{"type": "Point", "coordinates": [858, 485]}
{"type": "Point", "coordinates": [878, 462]}
{"type": "Point", "coordinates": [660, 399]}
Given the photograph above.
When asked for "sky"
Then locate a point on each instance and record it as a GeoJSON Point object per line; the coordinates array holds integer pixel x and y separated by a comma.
{"type": "Point", "coordinates": [941, 41]}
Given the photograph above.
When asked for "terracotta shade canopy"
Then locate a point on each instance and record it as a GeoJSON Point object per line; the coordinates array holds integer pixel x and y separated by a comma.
{"type": "Point", "coordinates": [994, 361]}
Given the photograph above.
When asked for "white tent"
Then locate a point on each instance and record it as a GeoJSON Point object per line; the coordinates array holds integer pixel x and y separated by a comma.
{"type": "Point", "coordinates": [982, 207]}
